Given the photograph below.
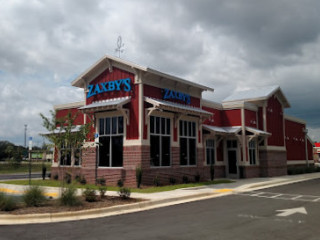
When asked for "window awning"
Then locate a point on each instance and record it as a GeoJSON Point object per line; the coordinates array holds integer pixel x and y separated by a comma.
{"type": "Point", "coordinates": [234, 130]}
{"type": "Point", "coordinates": [58, 130]}
{"type": "Point", "coordinates": [222, 130]}
{"type": "Point", "coordinates": [109, 104]}
{"type": "Point", "coordinates": [257, 131]}
{"type": "Point", "coordinates": [176, 107]}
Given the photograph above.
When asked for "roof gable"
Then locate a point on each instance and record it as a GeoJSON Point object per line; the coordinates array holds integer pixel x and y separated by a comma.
{"type": "Point", "coordinates": [259, 94]}
{"type": "Point", "coordinates": [110, 62]}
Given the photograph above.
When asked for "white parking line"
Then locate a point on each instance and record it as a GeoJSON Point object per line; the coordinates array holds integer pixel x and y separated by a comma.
{"type": "Point", "coordinates": [284, 196]}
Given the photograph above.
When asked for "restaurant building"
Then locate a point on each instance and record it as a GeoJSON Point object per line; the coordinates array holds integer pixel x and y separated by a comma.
{"type": "Point", "coordinates": [159, 122]}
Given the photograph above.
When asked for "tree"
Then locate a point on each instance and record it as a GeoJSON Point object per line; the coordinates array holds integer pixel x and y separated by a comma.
{"type": "Point", "coordinates": [64, 133]}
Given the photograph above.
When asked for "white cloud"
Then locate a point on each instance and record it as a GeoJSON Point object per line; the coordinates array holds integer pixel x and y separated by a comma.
{"type": "Point", "coordinates": [227, 45]}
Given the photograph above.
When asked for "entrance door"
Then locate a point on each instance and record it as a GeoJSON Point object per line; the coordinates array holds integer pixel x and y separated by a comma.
{"type": "Point", "coordinates": [232, 148]}
{"type": "Point", "coordinates": [232, 160]}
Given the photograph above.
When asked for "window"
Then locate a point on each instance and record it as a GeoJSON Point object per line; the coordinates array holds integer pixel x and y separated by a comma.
{"type": "Point", "coordinates": [111, 142]}
{"type": "Point", "coordinates": [252, 152]}
{"type": "Point", "coordinates": [160, 141]}
{"type": "Point", "coordinates": [187, 133]}
{"type": "Point", "coordinates": [210, 152]}
{"type": "Point", "coordinates": [77, 157]}
{"type": "Point", "coordinates": [65, 155]}
{"type": "Point", "coordinates": [232, 144]}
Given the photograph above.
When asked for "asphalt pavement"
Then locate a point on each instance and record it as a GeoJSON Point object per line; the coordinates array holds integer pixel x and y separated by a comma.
{"type": "Point", "coordinates": [243, 215]}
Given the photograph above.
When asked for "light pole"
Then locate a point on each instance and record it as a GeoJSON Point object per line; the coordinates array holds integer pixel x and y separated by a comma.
{"type": "Point", "coordinates": [25, 135]}
{"type": "Point", "coordinates": [306, 145]}
{"type": "Point", "coordinates": [30, 148]}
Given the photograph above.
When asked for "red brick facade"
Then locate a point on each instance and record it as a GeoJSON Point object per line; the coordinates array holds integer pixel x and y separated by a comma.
{"type": "Point", "coordinates": [257, 119]}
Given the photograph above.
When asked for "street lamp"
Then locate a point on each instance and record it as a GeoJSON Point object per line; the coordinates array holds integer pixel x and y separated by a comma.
{"type": "Point", "coordinates": [306, 145]}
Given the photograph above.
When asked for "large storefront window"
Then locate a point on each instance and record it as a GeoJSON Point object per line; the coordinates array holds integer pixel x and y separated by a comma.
{"type": "Point", "coordinates": [160, 141]}
{"type": "Point", "coordinates": [210, 152]}
{"type": "Point", "coordinates": [187, 143]}
{"type": "Point", "coordinates": [111, 142]}
{"type": "Point", "coordinates": [252, 152]}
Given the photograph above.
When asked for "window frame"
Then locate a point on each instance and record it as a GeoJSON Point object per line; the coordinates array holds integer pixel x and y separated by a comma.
{"type": "Point", "coordinates": [162, 131]}
{"type": "Point", "coordinates": [213, 148]}
{"type": "Point", "coordinates": [188, 132]}
{"type": "Point", "coordinates": [110, 132]}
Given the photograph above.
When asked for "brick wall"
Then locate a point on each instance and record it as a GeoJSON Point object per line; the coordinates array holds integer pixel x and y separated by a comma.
{"type": "Point", "coordinates": [251, 171]}
{"type": "Point", "coordinates": [273, 163]}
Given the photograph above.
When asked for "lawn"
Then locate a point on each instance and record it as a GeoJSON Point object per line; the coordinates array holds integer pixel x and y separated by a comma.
{"type": "Point", "coordinates": [55, 183]}
{"type": "Point", "coordinates": [7, 168]}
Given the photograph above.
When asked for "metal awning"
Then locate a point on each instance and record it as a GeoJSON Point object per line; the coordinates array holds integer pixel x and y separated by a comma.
{"type": "Point", "coordinates": [222, 130]}
{"type": "Point", "coordinates": [257, 132]}
{"type": "Point", "coordinates": [234, 130]}
{"type": "Point", "coordinates": [176, 107]}
{"type": "Point", "coordinates": [58, 130]}
{"type": "Point", "coordinates": [109, 104]}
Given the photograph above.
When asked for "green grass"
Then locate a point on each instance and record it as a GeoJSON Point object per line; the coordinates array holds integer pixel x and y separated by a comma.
{"type": "Point", "coordinates": [7, 168]}
{"type": "Point", "coordinates": [54, 183]}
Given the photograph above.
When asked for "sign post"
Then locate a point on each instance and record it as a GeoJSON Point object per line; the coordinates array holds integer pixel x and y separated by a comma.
{"type": "Point", "coordinates": [30, 148]}
{"type": "Point", "coordinates": [96, 141]}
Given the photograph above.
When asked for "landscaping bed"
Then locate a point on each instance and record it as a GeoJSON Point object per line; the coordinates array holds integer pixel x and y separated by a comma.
{"type": "Point", "coordinates": [53, 206]}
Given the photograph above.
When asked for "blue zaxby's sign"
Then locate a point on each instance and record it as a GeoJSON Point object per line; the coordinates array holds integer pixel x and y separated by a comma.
{"type": "Point", "coordinates": [116, 85]}
{"type": "Point", "coordinates": [171, 94]}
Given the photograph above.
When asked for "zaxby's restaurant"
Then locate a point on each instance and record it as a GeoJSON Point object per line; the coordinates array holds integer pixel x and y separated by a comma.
{"type": "Point", "coordinates": [159, 122]}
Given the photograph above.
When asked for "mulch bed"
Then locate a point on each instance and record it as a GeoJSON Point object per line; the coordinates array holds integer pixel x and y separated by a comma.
{"type": "Point", "coordinates": [52, 206]}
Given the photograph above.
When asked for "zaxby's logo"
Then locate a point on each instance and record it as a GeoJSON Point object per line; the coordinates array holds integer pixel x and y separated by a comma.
{"type": "Point", "coordinates": [171, 94]}
{"type": "Point", "coordinates": [117, 85]}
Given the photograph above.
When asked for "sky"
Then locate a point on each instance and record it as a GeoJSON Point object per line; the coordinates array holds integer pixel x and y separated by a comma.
{"type": "Point", "coordinates": [229, 45]}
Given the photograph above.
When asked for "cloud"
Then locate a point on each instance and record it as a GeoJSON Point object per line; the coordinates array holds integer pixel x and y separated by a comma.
{"type": "Point", "coordinates": [227, 45]}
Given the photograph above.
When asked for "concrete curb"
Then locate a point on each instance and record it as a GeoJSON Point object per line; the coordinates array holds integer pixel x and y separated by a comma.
{"type": "Point", "coordinates": [277, 182]}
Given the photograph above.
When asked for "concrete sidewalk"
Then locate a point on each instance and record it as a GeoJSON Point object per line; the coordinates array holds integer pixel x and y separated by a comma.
{"type": "Point", "coordinates": [153, 200]}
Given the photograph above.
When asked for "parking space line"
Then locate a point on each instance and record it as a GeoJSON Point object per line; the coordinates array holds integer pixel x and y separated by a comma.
{"type": "Point", "coordinates": [283, 196]}
{"type": "Point", "coordinates": [299, 196]}
{"type": "Point", "coordinates": [277, 195]}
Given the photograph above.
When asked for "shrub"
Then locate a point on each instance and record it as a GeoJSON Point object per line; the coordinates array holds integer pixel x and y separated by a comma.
{"type": "Point", "coordinates": [81, 179]}
{"type": "Point", "coordinates": [120, 183]}
{"type": "Point", "coordinates": [7, 203]}
{"type": "Point", "coordinates": [172, 181]}
{"type": "Point", "coordinates": [77, 178]}
{"type": "Point", "coordinates": [156, 181]}
{"type": "Point", "coordinates": [49, 175]}
{"type": "Point", "coordinates": [67, 178]}
{"type": "Point", "coordinates": [185, 179]}
{"type": "Point", "coordinates": [197, 177]}
{"type": "Point", "coordinates": [138, 176]}
{"type": "Point", "coordinates": [101, 181]}
{"type": "Point", "coordinates": [124, 192]}
{"type": "Point", "coordinates": [69, 197]}
{"type": "Point", "coordinates": [34, 196]}
{"type": "Point", "coordinates": [56, 177]}
{"type": "Point", "coordinates": [102, 191]}
{"type": "Point", "coordinates": [102, 186]}
{"type": "Point", "coordinates": [90, 195]}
